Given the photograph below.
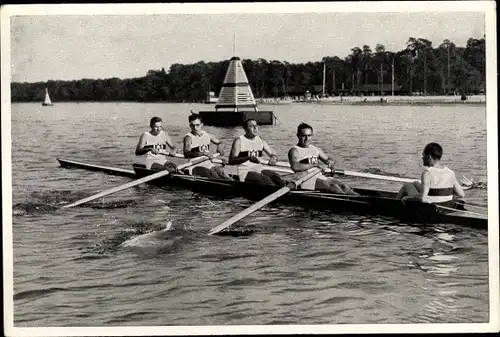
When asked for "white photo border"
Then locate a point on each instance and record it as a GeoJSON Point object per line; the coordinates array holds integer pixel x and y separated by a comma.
{"type": "Point", "coordinates": [488, 7]}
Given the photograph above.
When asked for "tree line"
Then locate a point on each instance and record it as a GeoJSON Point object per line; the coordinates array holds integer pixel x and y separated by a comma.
{"type": "Point", "coordinates": [420, 68]}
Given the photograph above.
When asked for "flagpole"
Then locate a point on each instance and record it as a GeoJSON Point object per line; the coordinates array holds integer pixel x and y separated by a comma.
{"type": "Point", "coordinates": [448, 79]}
{"type": "Point", "coordinates": [381, 81]}
{"type": "Point", "coordinates": [234, 43]}
{"type": "Point", "coordinates": [324, 73]}
{"type": "Point", "coordinates": [333, 82]}
{"type": "Point", "coordinates": [392, 83]}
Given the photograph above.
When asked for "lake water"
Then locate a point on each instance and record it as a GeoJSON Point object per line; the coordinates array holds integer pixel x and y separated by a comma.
{"type": "Point", "coordinates": [297, 267]}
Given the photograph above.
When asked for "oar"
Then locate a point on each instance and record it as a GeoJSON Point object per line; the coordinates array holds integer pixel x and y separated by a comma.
{"type": "Point", "coordinates": [282, 167]}
{"type": "Point", "coordinates": [219, 161]}
{"type": "Point", "coordinates": [374, 176]}
{"type": "Point", "coordinates": [135, 182]}
{"type": "Point", "coordinates": [460, 211]}
{"type": "Point", "coordinates": [471, 204]}
{"type": "Point", "coordinates": [285, 168]}
{"type": "Point", "coordinates": [282, 191]}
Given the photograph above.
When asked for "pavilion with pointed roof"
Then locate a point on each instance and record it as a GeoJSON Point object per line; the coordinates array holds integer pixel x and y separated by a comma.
{"type": "Point", "coordinates": [236, 102]}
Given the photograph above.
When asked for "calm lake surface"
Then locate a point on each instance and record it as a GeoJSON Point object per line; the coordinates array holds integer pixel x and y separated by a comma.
{"type": "Point", "coordinates": [297, 267]}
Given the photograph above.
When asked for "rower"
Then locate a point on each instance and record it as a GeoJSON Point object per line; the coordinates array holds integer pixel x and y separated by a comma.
{"type": "Point", "coordinates": [304, 156]}
{"type": "Point", "coordinates": [197, 143]}
{"type": "Point", "coordinates": [153, 145]}
{"type": "Point", "coordinates": [246, 154]}
{"type": "Point", "coordinates": [438, 183]}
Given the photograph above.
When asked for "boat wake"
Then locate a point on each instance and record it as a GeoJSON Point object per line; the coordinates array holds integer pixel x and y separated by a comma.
{"type": "Point", "coordinates": [27, 208]}
{"type": "Point", "coordinates": [42, 202]}
{"type": "Point", "coordinates": [154, 239]}
{"type": "Point", "coordinates": [50, 202]}
{"type": "Point", "coordinates": [142, 238]}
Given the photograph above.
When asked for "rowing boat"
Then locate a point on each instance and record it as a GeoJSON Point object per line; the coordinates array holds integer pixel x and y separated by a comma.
{"type": "Point", "coordinates": [369, 202]}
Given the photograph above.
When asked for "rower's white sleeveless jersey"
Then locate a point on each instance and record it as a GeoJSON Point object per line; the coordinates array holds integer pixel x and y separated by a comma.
{"type": "Point", "coordinates": [159, 142]}
{"type": "Point", "coordinates": [200, 143]}
{"type": "Point", "coordinates": [308, 155]}
{"type": "Point", "coordinates": [249, 148]}
{"type": "Point", "coordinates": [442, 181]}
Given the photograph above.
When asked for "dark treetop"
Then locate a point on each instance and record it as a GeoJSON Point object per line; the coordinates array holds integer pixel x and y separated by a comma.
{"type": "Point", "coordinates": [419, 68]}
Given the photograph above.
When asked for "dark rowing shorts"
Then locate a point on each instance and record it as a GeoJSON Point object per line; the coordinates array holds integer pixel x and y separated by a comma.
{"type": "Point", "coordinates": [266, 177]}
{"type": "Point", "coordinates": [169, 166]}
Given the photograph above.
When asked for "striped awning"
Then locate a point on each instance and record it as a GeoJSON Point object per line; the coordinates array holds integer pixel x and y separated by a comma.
{"type": "Point", "coordinates": [235, 92]}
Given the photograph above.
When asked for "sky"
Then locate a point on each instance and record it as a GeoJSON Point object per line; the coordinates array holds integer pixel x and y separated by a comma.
{"type": "Point", "coordinates": [125, 45]}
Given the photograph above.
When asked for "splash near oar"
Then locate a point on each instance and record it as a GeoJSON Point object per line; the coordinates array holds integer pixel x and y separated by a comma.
{"type": "Point", "coordinates": [313, 173]}
{"type": "Point", "coordinates": [135, 182]}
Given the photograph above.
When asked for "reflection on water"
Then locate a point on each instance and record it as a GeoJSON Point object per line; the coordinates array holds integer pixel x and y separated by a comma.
{"type": "Point", "coordinates": [116, 261]}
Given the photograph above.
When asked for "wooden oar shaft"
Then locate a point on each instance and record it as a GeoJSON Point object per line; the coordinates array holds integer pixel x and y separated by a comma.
{"type": "Point", "coordinates": [375, 176]}
{"type": "Point", "coordinates": [459, 211]}
{"type": "Point", "coordinates": [134, 183]}
{"type": "Point", "coordinates": [475, 205]}
{"type": "Point", "coordinates": [265, 201]}
{"type": "Point", "coordinates": [285, 167]}
{"type": "Point", "coordinates": [219, 161]}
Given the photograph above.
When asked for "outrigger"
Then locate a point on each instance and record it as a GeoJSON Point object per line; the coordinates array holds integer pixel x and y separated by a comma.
{"type": "Point", "coordinates": [369, 201]}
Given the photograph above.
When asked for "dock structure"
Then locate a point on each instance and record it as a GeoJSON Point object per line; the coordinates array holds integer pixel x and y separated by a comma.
{"type": "Point", "coordinates": [236, 102]}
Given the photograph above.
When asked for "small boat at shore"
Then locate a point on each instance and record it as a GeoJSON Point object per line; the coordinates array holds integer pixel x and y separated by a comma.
{"type": "Point", "coordinates": [369, 202]}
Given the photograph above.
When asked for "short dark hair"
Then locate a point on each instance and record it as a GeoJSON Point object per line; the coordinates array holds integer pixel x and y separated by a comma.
{"type": "Point", "coordinates": [194, 117]}
{"type": "Point", "coordinates": [434, 150]}
{"type": "Point", "coordinates": [245, 123]}
{"type": "Point", "coordinates": [154, 120]}
{"type": "Point", "coordinates": [303, 126]}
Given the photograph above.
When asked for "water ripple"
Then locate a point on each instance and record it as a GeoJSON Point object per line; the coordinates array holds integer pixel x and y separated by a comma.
{"type": "Point", "coordinates": [280, 265]}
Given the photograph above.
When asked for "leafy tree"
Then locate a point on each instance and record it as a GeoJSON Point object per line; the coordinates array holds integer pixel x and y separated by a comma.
{"type": "Point", "coordinates": [417, 68]}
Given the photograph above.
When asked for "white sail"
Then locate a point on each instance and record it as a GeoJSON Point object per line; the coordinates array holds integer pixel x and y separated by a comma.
{"type": "Point", "coordinates": [47, 100]}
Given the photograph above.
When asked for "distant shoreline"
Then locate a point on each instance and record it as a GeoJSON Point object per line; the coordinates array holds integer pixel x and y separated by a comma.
{"type": "Point", "coordinates": [474, 100]}
{"type": "Point", "coordinates": [385, 100]}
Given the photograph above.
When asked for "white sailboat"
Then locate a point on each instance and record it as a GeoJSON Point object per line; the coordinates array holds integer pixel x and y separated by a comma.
{"type": "Point", "coordinates": [47, 101]}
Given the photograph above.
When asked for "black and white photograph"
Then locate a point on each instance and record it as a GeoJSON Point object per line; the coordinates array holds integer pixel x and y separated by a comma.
{"type": "Point", "coordinates": [250, 168]}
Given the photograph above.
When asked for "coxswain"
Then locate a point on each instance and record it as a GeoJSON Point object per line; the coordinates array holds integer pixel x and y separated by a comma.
{"type": "Point", "coordinates": [246, 154]}
{"type": "Point", "coordinates": [438, 184]}
{"type": "Point", "coordinates": [153, 145]}
{"type": "Point", "coordinates": [197, 143]}
{"type": "Point", "coordinates": [304, 156]}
